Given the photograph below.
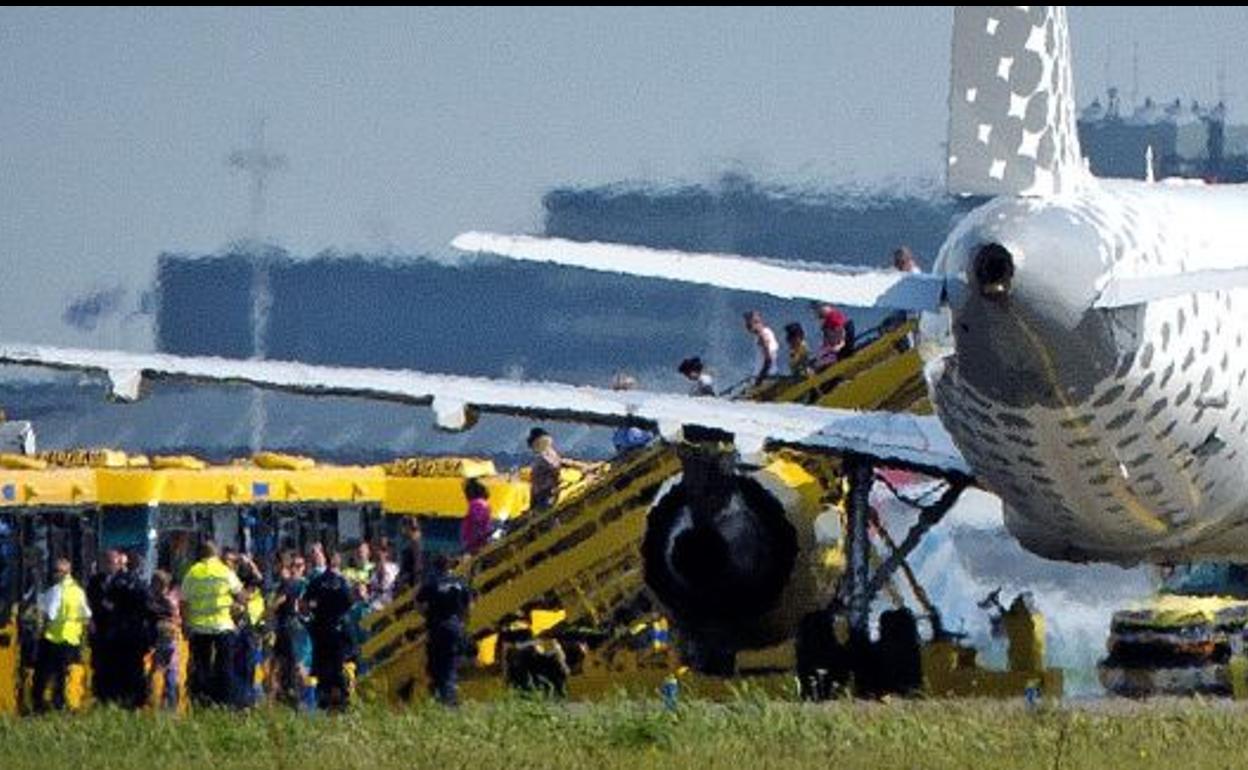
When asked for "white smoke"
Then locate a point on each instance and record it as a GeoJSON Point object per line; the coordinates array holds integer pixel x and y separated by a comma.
{"type": "Point", "coordinates": [970, 554]}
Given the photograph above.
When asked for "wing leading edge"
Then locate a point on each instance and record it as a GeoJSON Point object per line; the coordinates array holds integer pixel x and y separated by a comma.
{"type": "Point", "coordinates": [840, 284]}
{"type": "Point", "coordinates": [901, 439]}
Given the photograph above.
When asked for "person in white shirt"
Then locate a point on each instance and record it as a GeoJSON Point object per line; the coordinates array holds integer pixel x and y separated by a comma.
{"type": "Point", "coordinates": [768, 347]}
{"type": "Point", "coordinates": [904, 261]}
{"type": "Point", "coordinates": [65, 614]}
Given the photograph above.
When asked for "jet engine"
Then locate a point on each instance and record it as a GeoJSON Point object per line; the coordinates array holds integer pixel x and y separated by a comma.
{"type": "Point", "coordinates": [738, 555]}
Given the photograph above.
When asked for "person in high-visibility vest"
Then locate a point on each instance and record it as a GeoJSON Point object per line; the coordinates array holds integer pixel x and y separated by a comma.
{"type": "Point", "coordinates": [64, 606]}
{"type": "Point", "coordinates": [209, 590]}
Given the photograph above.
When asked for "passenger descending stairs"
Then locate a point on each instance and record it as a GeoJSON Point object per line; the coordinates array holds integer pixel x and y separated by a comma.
{"type": "Point", "coordinates": [583, 557]}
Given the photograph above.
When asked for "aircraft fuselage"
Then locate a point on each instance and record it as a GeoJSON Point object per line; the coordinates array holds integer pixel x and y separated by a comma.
{"type": "Point", "coordinates": [1111, 434]}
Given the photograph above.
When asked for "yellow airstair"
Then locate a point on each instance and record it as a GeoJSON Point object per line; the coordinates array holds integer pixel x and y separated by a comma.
{"type": "Point", "coordinates": [583, 559]}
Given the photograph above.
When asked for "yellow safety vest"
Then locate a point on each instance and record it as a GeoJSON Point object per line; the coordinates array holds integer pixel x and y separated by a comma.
{"type": "Point", "coordinates": [208, 589]}
{"type": "Point", "coordinates": [358, 574]}
{"type": "Point", "coordinates": [70, 619]}
{"type": "Point", "coordinates": [255, 608]}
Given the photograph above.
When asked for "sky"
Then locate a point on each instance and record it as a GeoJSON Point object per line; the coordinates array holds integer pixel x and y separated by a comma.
{"type": "Point", "coordinates": [402, 127]}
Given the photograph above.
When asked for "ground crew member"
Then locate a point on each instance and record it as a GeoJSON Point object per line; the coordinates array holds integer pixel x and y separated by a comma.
{"type": "Point", "coordinates": [65, 610]}
{"type": "Point", "coordinates": [444, 600]}
{"type": "Point", "coordinates": [209, 591]}
{"type": "Point", "coordinates": [532, 664]}
{"type": "Point", "coordinates": [327, 600]}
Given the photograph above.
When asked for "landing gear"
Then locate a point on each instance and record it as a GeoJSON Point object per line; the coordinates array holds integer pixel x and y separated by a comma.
{"type": "Point", "coordinates": [893, 663]}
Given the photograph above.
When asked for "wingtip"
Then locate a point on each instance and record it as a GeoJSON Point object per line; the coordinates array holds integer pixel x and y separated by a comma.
{"type": "Point", "coordinates": [468, 241]}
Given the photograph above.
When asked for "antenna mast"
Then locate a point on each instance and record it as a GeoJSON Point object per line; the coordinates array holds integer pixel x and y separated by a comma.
{"type": "Point", "coordinates": [258, 162]}
{"type": "Point", "coordinates": [1135, 75]}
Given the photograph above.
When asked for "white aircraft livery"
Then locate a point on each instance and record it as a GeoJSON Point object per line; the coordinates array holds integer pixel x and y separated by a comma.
{"type": "Point", "coordinates": [1093, 371]}
{"type": "Point", "coordinates": [1084, 338]}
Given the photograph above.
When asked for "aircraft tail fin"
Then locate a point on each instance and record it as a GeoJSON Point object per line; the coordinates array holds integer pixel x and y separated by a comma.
{"type": "Point", "coordinates": [1011, 103]}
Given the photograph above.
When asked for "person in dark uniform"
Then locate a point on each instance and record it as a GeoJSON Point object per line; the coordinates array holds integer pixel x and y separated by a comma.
{"type": "Point", "coordinates": [130, 637]}
{"type": "Point", "coordinates": [327, 601]}
{"type": "Point", "coordinates": [444, 600]}
{"type": "Point", "coordinates": [102, 632]}
{"type": "Point", "coordinates": [412, 560]}
{"type": "Point", "coordinates": [823, 660]}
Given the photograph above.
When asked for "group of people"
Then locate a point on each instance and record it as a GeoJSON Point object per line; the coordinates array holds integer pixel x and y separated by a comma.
{"type": "Point", "coordinates": [837, 342]}
{"type": "Point", "coordinates": [303, 617]}
{"type": "Point", "coordinates": [837, 338]}
{"type": "Point", "coordinates": [118, 614]}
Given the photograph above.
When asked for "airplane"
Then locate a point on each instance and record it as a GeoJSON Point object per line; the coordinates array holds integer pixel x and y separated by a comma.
{"type": "Point", "coordinates": [1084, 337]}
{"type": "Point", "coordinates": [1079, 334]}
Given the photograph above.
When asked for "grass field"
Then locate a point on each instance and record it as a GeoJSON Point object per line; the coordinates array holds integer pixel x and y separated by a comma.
{"type": "Point", "coordinates": [749, 733]}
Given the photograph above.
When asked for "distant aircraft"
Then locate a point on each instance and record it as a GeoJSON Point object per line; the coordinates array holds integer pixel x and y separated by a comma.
{"type": "Point", "coordinates": [1084, 338]}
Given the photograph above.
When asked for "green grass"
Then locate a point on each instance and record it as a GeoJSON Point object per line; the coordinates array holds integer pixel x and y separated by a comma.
{"type": "Point", "coordinates": [751, 732]}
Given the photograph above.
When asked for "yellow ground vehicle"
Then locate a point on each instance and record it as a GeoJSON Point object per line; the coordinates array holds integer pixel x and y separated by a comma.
{"type": "Point", "coordinates": [1185, 640]}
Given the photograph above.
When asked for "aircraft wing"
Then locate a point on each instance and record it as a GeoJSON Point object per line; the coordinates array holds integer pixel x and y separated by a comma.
{"type": "Point", "coordinates": [838, 284]}
{"type": "Point", "coordinates": [902, 439]}
{"type": "Point", "coordinates": [1120, 292]}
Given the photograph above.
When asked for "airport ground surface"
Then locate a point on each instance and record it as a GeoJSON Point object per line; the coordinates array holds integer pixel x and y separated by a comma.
{"type": "Point", "coordinates": [748, 733]}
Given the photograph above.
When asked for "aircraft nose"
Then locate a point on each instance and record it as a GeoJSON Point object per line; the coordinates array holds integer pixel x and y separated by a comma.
{"type": "Point", "coordinates": [993, 268]}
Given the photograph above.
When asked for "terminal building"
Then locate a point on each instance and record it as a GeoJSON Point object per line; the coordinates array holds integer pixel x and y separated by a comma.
{"type": "Point", "coordinates": [1187, 139]}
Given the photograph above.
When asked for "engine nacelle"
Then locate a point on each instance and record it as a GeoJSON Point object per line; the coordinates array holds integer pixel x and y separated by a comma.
{"type": "Point", "coordinates": [738, 557]}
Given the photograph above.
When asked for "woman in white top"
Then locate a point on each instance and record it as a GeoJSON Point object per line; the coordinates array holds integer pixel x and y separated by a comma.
{"type": "Point", "coordinates": [768, 347]}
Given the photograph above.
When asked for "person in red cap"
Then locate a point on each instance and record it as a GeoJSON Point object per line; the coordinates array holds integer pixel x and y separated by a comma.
{"type": "Point", "coordinates": [833, 324]}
